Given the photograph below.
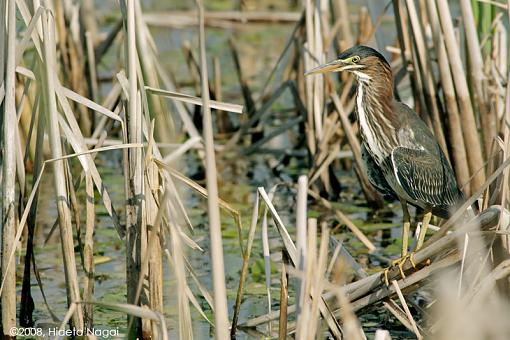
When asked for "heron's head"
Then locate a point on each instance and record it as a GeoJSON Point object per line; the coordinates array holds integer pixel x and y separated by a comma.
{"type": "Point", "coordinates": [363, 61]}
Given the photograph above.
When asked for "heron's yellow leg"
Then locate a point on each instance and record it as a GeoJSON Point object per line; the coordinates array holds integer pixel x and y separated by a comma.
{"type": "Point", "coordinates": [406, 229]}
{"type": "Point", "coordinates": [421, 236]}
{"type": "Point", "coordinates": [405, 244]}
{"type": "Point", "coordinates": [423, 231]}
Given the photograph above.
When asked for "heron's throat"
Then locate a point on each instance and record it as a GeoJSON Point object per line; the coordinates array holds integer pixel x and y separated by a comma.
{"type": "Point", "coordinates": [376, 117]}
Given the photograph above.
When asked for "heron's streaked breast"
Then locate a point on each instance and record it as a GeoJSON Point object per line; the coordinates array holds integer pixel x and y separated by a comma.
{"type": "Point", "coordinates": [374, 126]}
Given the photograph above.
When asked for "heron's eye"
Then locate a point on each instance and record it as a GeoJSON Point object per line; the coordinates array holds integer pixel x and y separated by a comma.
{"type": "Point", "coordinates": [355, 59]}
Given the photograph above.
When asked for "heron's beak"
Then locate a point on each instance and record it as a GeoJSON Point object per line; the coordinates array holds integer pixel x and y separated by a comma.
{"type": "Point", "coordinates": [333, 66]}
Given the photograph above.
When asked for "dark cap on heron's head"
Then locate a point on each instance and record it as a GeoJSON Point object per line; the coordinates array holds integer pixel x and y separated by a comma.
{"type": "Point", "coordinates": [355, 59]}
{"type": "Point", "coordinates": [362, 52]}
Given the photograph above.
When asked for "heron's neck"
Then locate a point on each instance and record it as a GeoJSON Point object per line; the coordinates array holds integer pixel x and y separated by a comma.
{"type": "Point", "coordinates": [376, 118]}
{"type": "Point", "coordinates": [376, 88]}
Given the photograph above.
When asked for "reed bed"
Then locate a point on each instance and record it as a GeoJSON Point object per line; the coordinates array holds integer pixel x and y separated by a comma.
{"type": "Point", "coordinates": [61, 115]}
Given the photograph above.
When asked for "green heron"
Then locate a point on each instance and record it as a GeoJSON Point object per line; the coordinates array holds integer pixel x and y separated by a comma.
{"type": "Point", "coordinates": [401, 155]}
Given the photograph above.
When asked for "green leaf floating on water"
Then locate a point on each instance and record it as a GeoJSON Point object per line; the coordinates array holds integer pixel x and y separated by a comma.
{"type": "Point", "coordinates": [347, 208]}
{"type": "Point", "coordinates": [313, 213]}
{"type": "Point", "coordinates": [101, 259]}
{"type": "Point", "coordinates": [377, 226]}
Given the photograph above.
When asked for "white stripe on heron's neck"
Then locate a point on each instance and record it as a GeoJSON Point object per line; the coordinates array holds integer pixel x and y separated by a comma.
{"type": "Point", "coordinates": [369, 136]}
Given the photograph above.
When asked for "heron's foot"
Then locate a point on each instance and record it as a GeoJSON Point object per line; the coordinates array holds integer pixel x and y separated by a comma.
{"type": "Point", "coordinates": [398, 262]}
{"type": "Point", "coordinates": [413, 262]}
{"type": "Point", "coordinates": [411, 259]}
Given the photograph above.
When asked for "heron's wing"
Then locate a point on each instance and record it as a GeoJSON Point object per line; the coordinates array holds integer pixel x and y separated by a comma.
{"type": "Point", "coordinates": [375, 174]}
{"type": "Point", "coordinates": [426, 177]}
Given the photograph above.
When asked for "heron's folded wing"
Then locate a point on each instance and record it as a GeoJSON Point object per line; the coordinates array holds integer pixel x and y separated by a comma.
{"type": "Point", "coordinates": [425, 177]}
{"type": "Point", "coordinates": [375, 175]}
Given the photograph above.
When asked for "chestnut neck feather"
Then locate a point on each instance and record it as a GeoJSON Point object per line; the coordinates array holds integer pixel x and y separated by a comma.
{"type": "Point", "coordinates": [379, 89]}
{"type": "Point", "coordinates": [377, 120]}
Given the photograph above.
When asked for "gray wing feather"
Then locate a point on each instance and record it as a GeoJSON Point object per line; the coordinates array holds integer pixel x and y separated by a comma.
{"type": "Point", "coordinates": [426, 178]}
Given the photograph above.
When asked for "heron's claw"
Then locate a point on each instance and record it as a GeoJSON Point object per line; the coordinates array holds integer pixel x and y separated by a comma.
{"type": "Point", "coordinates": [386, 271]}
{"type": "Point", "coordinates": [400, 263]}
{"type": "Point", "coordinates": [414, 264]}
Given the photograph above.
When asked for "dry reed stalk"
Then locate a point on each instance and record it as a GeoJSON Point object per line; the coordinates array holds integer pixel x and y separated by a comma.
{"type": "Point", "coordinates": [371, 289]}
{"type": "Point", "coordinates": [134, 311]}
{"type": "Point", "coordinates": [423, 65]}
{"type": "Point", "coordinates": [505, 196]}
{"type": "Point", "coordinates": [320, 267]}
{"type": "Point", "coordinates": [187, 121]}
{"type": "Point", "coordinates": [405, 48]}
{"type": "Point", "coordinates": [341, 12]}
{"type": "Point", "coordinates": [316, 29]}
{"type": "Point", "coordinates": [89, 20]}
{"type": "Point", "coordinates": [33, 194]}
{"type": "Point", "coordinates": [156, 106]}
{"type": "Point", "coordinates": [133, 166]}
{"type": "Point", "coordinates": [196, 100]}
{"type": "Point", "coordinates": [291, 249]}
{"type": "Point", "coordinates": [49, 100]}
{"type": "Point", "coordinates": [469, 129]}
{"type": "Point", "coordinates": [10, 126]}
{"type": "Point", "coordinates": [74, 136]}
{"type": "Point", "coordinates": [88, 251]}
{"type": "Point", "coordinates": [245, 267]}
{"type": "Point", "coordinates": [398, 313]}
{"type": "Point", "coordinates": [91, 62]}
{"type": "Point", "coordinates": [305, 322]}
{"type": "Point", "coordinates": [3, 48]}
{"type": "Point", "coordinates": [333, 154]}
{"type": "Point", "coordinates": [365, 26]}
{"type": "Point", "coordinates": [406, 308]}
{"type": "Point", "coordinates": [220, 19]}
{"type": "Point", "coordinates": [220, 296]}
{"type": "Point", "coordinates": [318, 57]}
{"type": "Point", "coordinates": [72, 56]}
{"type": "Point", "coordinates": [301, 235]}
{"type": "Point", "coordinates": [154, 268]}
{"type": "Point", "coordinates": [109, 102]}
{"type": "Point", "coordinates": [478, 79]}
{"type": "Point", "coordinates": [26, 310]}
{"type": "Point", "coordinates": [267, 255]}
{"type": "Point", "coordinates": [308, 83]}
{"type": "Point", "coordinates": [284, 298]}
{"type": "Point", "coordinates": [456, 140]}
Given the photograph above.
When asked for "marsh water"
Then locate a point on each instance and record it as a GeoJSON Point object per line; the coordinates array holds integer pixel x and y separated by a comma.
{"type": "Point", "coordinates": [259, 46]}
